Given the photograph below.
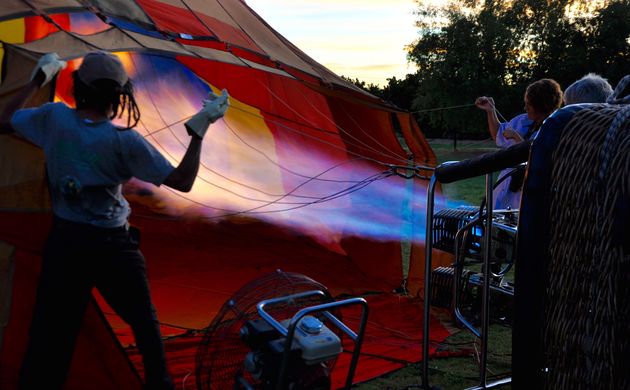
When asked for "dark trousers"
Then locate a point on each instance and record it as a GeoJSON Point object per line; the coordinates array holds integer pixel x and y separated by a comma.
{"type": "Point", "coordinates": [77, 258]}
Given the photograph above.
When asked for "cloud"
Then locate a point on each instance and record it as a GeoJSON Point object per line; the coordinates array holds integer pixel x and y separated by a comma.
{"type": "Point", "coordinates": [356, 4]}
{"type": "Point", "coordinates": [378, 67]}
{"type": "Point", "coordinates": [356, 38]}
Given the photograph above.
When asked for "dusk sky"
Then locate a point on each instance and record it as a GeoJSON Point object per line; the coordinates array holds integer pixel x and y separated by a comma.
{"type": "Point", "coordinates": [362, 39]}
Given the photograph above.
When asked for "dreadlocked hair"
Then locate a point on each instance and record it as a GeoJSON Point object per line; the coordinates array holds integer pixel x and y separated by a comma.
{"type": "Point", "coordinates": [103, 93]}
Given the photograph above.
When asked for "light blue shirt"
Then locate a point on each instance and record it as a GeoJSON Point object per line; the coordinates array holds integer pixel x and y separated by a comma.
{"type": "Point", "coordinates": [503, 197]}
{"type": "Point", "coordinates": [520, 123]}
{"type": "Point", "coordinates": [87, 163]}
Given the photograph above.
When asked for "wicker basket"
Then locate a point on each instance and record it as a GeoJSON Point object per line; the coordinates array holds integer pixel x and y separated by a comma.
{"type": "Point", "coordinates": [586, 331]}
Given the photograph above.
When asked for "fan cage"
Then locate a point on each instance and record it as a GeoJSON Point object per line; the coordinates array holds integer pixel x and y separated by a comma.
{"type": "Point", "coordinates": [221, 352]}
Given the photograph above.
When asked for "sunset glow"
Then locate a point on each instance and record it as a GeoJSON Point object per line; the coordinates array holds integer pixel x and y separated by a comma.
{"type": "Point", "coordinates": [357, 39]}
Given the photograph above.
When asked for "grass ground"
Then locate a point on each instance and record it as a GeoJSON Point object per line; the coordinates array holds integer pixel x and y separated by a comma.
{"type": "Point", "coordinates": [453, 372]}
{"type": "Point", "coordinates": [463, 371]}
{"type": "Point", "coordinates": [468, 191]}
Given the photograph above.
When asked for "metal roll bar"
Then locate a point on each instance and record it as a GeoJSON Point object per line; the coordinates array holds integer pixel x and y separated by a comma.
{"type": "Point", "coordinates": [482, 334]}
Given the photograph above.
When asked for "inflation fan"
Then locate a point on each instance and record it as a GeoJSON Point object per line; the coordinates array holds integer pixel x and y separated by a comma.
{"type": "Point", "coordinates": [281, 331]}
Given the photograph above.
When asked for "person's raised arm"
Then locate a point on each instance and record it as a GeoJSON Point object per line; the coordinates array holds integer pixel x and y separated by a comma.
{"type": "Point", "coordinates": [487, 104]}
{"type": "Point", "coordinates": [47, 67]}
{"type": "Point", "coordinates": [183, 177]}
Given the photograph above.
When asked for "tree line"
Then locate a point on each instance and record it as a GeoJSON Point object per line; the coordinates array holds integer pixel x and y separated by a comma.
{"type": "Point", "coordinates": [470, 48]}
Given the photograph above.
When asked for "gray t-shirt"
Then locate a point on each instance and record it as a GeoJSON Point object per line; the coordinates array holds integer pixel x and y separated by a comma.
{"type": "Point", "coordinates": [88, 162]}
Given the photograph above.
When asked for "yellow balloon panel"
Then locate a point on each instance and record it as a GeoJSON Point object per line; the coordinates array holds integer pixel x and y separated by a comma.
{"type": "Point", "coordinates": [11, 31]}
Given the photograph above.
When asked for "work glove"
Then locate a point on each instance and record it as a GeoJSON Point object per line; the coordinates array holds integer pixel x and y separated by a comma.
{"type": "Point", "coordinates": [49, 64]}
{"type": "Point", "coordinates": [214, 107]}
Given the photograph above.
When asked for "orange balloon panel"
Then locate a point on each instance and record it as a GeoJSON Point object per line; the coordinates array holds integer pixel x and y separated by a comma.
{"type": "Point", "coordinates": [294, 177]}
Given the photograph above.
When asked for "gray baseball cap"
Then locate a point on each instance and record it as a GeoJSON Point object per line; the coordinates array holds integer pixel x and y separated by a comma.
{"type": "Point", "coordinates": [102, 65]}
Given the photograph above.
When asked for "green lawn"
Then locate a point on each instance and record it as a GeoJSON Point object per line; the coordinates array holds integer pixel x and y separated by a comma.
{"type": "Point", "coordinates": [469, 191]}
{"type": "Point", "coordinates": [456, 372]}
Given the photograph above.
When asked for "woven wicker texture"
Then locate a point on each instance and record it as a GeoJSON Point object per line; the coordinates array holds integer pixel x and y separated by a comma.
{"type": "Point", "coordinates": [587, 327]}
